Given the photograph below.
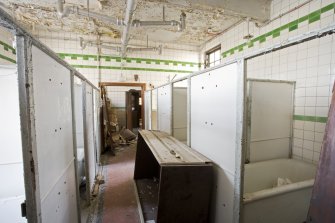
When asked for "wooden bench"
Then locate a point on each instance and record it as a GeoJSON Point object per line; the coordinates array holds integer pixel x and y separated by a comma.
{"type": "Point", "coordinates": [173, 181]}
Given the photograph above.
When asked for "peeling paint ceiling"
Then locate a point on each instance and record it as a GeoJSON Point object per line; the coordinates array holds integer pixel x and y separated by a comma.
{"type": "Point", "coordinates": [204, 19]}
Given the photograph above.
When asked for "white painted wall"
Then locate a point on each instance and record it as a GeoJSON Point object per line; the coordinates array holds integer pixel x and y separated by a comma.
{"type": "Point", "coordinates": [12, 192]}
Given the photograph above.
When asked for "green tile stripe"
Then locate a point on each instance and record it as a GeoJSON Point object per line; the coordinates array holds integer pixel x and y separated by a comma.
{"type": "Point", "coordinates": [130, 68]}
{"type": "Point", "coordinates": [7, 58]}
{"type": "Point", "coordinates": [291, 26]}
{"type": "Point", "coordinates": [7, 47]}
{"type": "Point", "coordinates": [310, 118]}
{"type": "Point", "coordinates": [128, 59]}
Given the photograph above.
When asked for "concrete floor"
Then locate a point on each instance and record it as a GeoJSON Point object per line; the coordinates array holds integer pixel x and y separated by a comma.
{"type": "Point", "coordinates": [118, 194]}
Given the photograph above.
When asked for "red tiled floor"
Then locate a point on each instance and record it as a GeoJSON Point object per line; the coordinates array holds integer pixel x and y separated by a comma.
{"type": "Point", "coordinates": [119, 196]}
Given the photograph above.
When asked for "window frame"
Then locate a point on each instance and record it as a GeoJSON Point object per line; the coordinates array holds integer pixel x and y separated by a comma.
{"type": "Point", "coordinates": [208, 53]}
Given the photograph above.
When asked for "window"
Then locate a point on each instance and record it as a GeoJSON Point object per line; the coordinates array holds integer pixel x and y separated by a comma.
{"type": "Point", "coordinates": [213, 57]}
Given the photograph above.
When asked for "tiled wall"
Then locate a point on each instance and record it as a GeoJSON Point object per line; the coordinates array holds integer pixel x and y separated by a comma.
{"type": "Point", "coordinates": [151, 68]}
{"type": "Point", "coordinates": [117, 96]}
{"type": "Point", "coordinates": [7, 52]}
{"type": "Point", "coordinates": [311, 64]}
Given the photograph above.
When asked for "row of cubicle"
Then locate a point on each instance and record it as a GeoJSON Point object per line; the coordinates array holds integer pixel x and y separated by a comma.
{"type": "Point", "coordinates": [51, 141]}
{"type": "Point", "coordinates": [205, 111]}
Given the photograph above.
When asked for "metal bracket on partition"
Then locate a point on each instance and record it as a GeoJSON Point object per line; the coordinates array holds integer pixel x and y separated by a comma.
{"type": "Point", "coordinates": [24, 209]}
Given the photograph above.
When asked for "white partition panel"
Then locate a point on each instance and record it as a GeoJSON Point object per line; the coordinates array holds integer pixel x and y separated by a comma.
{"type": "Point", "coordinates": [56, 181]}
{"type": "Point", "coordinates": [78, 97]}
{"type": "Point", "coordinates": [154, 117]}
{"type": "Point", "coordinates": [216, 132]}
{"type": "Point", "coordinates": [90, 153]}
{"type": "Point", "coordinates": [78, 109]}
{"type": "Point", "coordinates": [96, 96]}
{"type": "Point", "coordinates": [147, 109]}
{"type": "Point", "coordinates": [164, 108]}
{"type": "Point", "coordinates": [12, 192]}
{"type": "Point", "coordinates": [270, 119]}
{"type": "Point", "coordinates": [179, 111]}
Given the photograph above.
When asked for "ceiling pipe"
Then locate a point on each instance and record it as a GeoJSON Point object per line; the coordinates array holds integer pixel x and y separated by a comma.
{"type": "Point", "coordinates": [128, 20]}
{"type": "Point", "coordinates": [145, 49]}
{"type": "Point", "coordinates": [84, 44]}
{"type": "Point", "coordinates": [127, 23]}
{"type": "Point", "coordinates": [117, 21]}
{"type": "Point", "coordinates": [63, 11]}
{"type": "Point", "coordinates": [180, 24]}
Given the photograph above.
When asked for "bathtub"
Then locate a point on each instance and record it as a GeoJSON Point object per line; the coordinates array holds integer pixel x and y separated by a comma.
{"type": "Point", "coordinates": [264, 201]}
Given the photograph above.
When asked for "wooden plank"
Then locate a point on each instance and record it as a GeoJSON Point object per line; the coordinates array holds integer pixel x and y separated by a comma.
{"type": "Point", "coordinates": [169, 151]}
{"type": "Point", "coordinates": [187, 154]}
{"type": "Point", "coordinates": [157, 148]}
{"type": "Point", "coordinates": [322, 206]}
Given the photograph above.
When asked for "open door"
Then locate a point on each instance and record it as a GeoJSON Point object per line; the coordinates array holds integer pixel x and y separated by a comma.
{"type": "Point", "coordinates": [134, 109]}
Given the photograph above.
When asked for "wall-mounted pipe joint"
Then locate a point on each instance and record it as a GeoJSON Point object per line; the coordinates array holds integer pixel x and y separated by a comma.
{"type": "Point", "coordinates": [182, 24]}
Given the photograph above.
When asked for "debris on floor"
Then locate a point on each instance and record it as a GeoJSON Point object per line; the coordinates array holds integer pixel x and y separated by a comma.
{"type": "Point", "coordinates": [127, 135]}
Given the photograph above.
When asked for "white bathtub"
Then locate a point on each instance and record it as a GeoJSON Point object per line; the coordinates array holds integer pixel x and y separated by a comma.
{"type": "Point", "coordinates": [264, 203]}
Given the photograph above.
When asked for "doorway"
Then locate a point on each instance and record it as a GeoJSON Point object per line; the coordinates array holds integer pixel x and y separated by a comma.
{"type": "Point", "coordinates": [134, 109]}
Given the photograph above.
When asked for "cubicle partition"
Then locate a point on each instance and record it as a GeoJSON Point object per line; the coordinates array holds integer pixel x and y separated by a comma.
{"type": "Point", "coordinates": [217, 98]}
{"type": "Point", "coordinates": [97, 126]}
{"type": "Point", "coordinates": [180, 110]}
{"type": "Point", "coordinates": [147, 109]}
{"type": "Point", "coordinates": [153, 110]}
{"type": "Point", "coordinates": [78, 118]}
{"type": "Point", "coordinates": [89, 137]}
{"type": "Point", "coordinates": [164, 108]}
{"type": "Point", "coordinates": [207, 110]}
{"type": "Point", "coordinates": [47, 121]}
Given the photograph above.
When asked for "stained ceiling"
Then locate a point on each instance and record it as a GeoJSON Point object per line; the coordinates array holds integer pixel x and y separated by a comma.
{"type": "Point", "coordinates": [204, 18]}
